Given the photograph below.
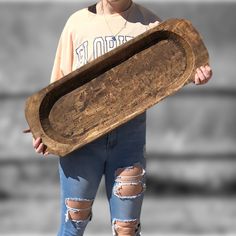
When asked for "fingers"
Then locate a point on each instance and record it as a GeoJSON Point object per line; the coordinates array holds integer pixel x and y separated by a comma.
{"type": "Point", "coordinates": [46, 153]}
{"type": "Point", "coordinates": [206, 71]}
{"type": "Point", "coordinates": [203, 75]}
{"type": "Point", "coordinates": [197, 79]}
{"type": "Point", "coordinates": [200, 77]}
{"type": "Point", "coordinates": [36, 142]}
{"type": "Point", "coordinates": [39, 147]}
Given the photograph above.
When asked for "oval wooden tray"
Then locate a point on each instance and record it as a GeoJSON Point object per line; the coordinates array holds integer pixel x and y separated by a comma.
{"type": "Point", "coordinates": [116, 87]}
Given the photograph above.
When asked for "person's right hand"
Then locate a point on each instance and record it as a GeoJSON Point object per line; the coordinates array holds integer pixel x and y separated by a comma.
{"type": "Point", "coordinates": [39, 146]}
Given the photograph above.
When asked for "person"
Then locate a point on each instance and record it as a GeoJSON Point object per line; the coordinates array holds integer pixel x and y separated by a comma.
{"type": "Point", "coordinates": [118, 155]}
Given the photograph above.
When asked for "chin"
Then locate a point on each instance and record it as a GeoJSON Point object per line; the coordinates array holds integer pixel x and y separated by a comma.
{"type": "Point", "coordinates": [114, 1]}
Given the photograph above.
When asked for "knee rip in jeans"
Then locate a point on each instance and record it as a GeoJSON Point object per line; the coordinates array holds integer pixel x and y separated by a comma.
{"type": "Point", "coordinates": [129, 181]}
{"type": "Point", "coordinates": [126, 227]}
{"type": "Point", "coordinates": [78, 210]}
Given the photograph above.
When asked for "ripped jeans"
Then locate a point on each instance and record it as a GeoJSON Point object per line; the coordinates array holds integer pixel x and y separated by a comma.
{"type": "Point", "coordinates": [119, 156]}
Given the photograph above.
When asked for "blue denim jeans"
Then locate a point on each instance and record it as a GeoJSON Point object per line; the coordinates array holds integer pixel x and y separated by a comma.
{"type": "Point", "coordinates": [119, 156]}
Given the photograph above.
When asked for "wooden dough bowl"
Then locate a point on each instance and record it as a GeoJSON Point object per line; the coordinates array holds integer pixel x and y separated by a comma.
{"type": "Point", "coordinates": [116, 87]}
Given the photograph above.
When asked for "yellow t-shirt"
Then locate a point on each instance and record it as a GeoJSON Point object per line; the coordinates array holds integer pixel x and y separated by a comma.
{"type": "Point", "coordinates": [88, 35]}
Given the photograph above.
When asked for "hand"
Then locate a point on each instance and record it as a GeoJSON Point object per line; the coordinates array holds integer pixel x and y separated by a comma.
{"type": "Point", "coordinates": [203, 75]}
{"type": "Point", "coordinates": [39, 147]}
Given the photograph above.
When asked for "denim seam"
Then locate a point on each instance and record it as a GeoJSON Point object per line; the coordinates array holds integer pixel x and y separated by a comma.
{"type": "Point", "coordinates": [77, 209]}
{"type": "Point", "coordinates": [119, 182]}
{"type": "Point", "coordinates": [128, 197]}
{"type": "Point", "coordinates": [78, 199]}
{"type": "Point", "coordinates": [138, 233]}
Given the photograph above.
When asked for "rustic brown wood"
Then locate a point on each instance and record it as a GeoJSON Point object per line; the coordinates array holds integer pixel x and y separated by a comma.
{"type": "Point", "coordinates": [116, 87]}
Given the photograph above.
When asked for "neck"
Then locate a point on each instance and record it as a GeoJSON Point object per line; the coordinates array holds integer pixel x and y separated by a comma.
{"type": "Point", "coordinates": [113, 6]}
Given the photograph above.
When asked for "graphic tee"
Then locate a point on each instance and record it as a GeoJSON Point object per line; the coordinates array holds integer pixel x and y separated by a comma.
{"type": "Point", "coordinates": [88, 35]}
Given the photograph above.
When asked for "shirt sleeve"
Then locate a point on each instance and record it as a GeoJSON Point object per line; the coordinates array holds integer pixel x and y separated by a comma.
{"type": "Point", "coordinates": [151, 19]}
{"type": "Point", "coordinates": [64, 55]}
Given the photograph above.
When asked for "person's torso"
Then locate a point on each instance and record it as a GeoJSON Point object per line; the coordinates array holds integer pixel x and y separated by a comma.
{"type": "Point", "coordinates": [94, 35]}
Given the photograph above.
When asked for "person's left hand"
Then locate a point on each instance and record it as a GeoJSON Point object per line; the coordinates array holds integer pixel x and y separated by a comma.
{"type": "Point", "coordinates": [203, 75]}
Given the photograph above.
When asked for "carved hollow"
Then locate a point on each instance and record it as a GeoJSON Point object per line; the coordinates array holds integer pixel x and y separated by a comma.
{"type": "Point", "coordinates": [116, 87]}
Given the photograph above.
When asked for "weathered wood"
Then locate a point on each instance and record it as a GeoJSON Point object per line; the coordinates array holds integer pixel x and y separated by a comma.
{"type": "Point", "coordinates": [116, 87]}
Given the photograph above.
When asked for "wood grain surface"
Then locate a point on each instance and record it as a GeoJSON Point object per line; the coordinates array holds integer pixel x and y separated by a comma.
{"type": "Point", "coordinates": [113, 89]}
